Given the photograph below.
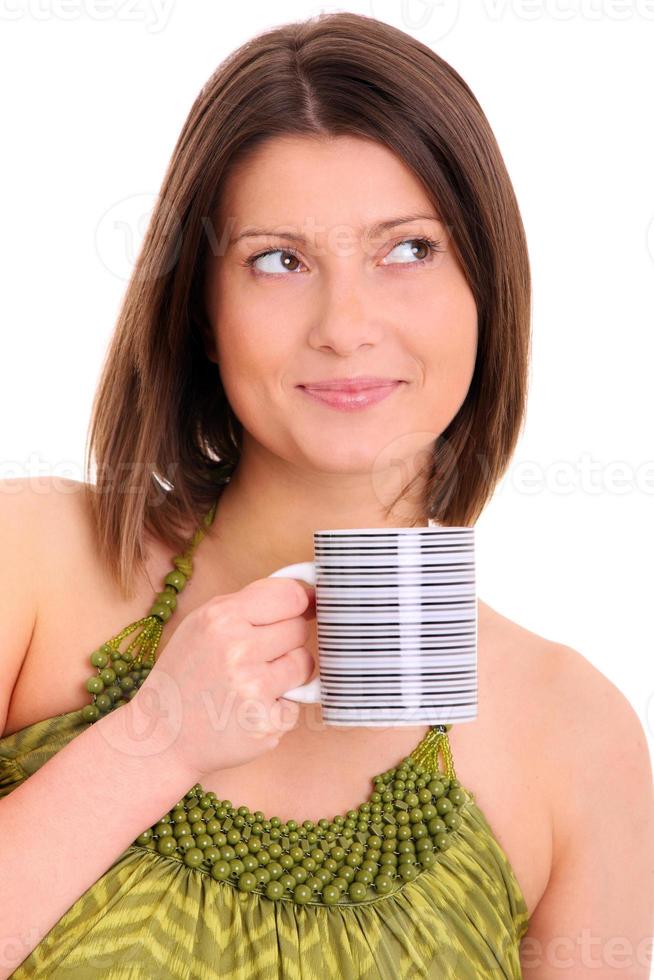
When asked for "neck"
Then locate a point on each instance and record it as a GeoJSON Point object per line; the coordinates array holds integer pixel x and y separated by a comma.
{"type": "Point", "coordinates": [266, 515]}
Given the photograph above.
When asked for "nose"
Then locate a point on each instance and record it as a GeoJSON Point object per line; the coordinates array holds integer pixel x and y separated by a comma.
{"type": "Point", "coordinates": [348, 315]}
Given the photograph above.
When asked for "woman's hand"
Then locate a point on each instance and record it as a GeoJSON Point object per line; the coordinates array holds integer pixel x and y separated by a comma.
{"type": "Point", "coordinates": [214, 693]}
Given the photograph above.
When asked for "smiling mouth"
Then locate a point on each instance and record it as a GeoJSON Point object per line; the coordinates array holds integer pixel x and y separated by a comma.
{"type": "Point", "coordinates": [348, 400]}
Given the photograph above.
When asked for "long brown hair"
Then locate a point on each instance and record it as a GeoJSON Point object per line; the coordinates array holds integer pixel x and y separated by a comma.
{"type": "Point", "coordinates": [162, 434]}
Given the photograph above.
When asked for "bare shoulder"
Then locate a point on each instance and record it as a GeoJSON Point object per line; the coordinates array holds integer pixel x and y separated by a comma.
{"type": "Point", "coordinates": [588, 745]}
{"type": "Point", "coordinates": [34, 496]}
{"type": "Point", "coordinates": [30, 518]}
{"type": "Point", "coordinates": [596, 737]}
{"type": "Point", "coordinates": [37, 516]}
{"type": "Point", "coordinates": [586, 720]}
{"type": "Point", "coordinates": [54, 513]}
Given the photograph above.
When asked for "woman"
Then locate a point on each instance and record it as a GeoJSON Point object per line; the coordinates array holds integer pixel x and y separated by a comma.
{"type": "Point", "coordinates": [336, 207]}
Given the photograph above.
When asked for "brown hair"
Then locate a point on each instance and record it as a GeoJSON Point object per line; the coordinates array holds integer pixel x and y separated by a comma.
{"type": "Point", "coordinates": [162, 432]}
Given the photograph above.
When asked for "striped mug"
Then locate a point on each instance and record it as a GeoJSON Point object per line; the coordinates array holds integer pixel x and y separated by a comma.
{"type": "Point", "coordinates": [396, 620]}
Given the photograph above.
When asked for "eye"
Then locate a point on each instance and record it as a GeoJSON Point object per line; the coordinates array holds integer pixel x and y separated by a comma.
{"type": "Point", "coordinates": [273, 266]}
{"type": "Point", "coordinates": [428, 246]}
{"type": "Point", "coordinates": [267, 263]}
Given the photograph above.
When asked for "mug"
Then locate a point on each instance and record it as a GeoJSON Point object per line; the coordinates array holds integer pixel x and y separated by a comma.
{"type": "Point", "coordinates": [396, 619]}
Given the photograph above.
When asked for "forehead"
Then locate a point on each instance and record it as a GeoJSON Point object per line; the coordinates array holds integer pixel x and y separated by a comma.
{"type": "Point", "coordinates": [328, 180]}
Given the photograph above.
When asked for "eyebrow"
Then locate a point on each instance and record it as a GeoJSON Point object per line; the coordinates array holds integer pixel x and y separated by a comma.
{"type": "Point", "coordinates": [375, 229]}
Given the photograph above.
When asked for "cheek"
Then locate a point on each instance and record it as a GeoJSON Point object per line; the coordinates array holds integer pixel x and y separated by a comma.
{"type": "Point", "coordinates": [252, 365]}
{"type": "Point", "coordinates": [249, 340]}
{"type": "Point", "coordinates": [448, 350]}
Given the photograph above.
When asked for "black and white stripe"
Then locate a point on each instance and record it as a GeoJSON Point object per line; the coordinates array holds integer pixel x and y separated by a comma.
{"type": "Point", "coordinates": [396, 615]}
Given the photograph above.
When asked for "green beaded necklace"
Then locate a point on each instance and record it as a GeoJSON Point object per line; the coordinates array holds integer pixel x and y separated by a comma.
{"type": "Point", "coordinates": [370, 852]}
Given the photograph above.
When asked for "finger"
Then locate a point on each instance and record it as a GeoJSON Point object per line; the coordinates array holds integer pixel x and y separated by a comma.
{"type": "Point", "coordinates": [292, 670]}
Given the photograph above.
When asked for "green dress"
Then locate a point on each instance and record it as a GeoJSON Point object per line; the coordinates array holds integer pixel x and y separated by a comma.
{"type": "Point", "coordinates": [158, 911]}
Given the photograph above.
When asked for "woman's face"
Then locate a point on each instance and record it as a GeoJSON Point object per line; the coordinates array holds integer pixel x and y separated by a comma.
{"type": "Point", "coordinates": [332, 298]}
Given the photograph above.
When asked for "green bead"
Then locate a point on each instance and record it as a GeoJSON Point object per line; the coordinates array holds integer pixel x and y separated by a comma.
{"type": "Point", "coordinates": [274, 889]}
{"type": "Point", "coordinates": [453, 820]}
{"type": "Point", "coordinates": [167, 598]}
{"type": "Point", "coordinates": [103, 701]}
{"type": "Point", "coordinates": [120, 667]}
{"type": "Point", "coordinates": [94, 685]}
{"type": "Point", "coordinates": [331, 894]}
{"type": "Point", "coordinates": [220, 870]}
{"type": "Point", "coordinates": [302, 894]}
{"type": "Point", "coordinates": [357, 891]}
{"type": "Point", "coordinates": [108, 675]}
{"type": "Point", "coordinates": [90, 712]}
{"type": "Point", "coordinates": [383, 884]}
{"type": "Point", "coordinates": [161, 610]}
{"type": "Point", "coordinates": [427, 859]}
{"type": "Point", "coordinates": [408, 871]}
{"type": "Point", "coordinates": [177, 579]}
{"type": "Point", "coordinates": [167, 845]}
{"type": "Point", "coordinates": [193, 857]}
{"type": "Point", "coordinates": [247, 882]}
{"type": "Point", "coordinates": [99, 658]}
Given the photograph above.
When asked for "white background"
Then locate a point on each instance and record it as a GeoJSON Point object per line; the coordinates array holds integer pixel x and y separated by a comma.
{"type": "Point", "coordinates": [95, 94]}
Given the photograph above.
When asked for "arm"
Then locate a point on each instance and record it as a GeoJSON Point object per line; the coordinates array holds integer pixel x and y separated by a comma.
{"type": "Point", "coordinates": [597, 914]}
{"type": "Point", "coordinates": [87, 804]}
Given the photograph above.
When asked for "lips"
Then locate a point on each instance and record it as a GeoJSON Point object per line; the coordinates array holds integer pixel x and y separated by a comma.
{"type": "Point", "coordinates": [351, 399]}
{"type": "Point", "coordinates": [349, 385]}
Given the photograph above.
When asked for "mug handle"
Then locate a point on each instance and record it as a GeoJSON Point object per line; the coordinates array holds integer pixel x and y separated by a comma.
{"type": "Point", "coordinates": [310, 692]}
